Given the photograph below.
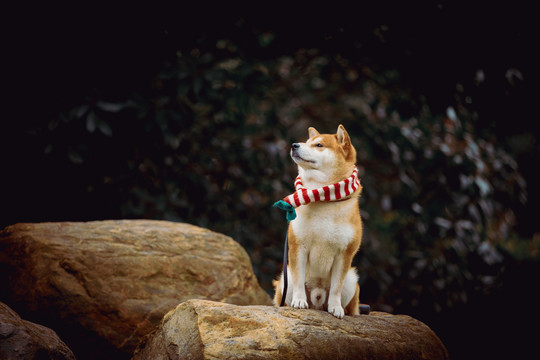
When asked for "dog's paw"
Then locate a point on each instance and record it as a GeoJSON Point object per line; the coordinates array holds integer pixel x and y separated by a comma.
{"type": "Point", "coordinates": [337, 311]}
{"type": "Point", "coordinates": [299, 304]}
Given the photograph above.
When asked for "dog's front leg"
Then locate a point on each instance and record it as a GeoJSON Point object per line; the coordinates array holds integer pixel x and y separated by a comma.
{"type": "Point", "coordinates": [339, 271]}
{"type": "Point", "coordinates": [298, 260]}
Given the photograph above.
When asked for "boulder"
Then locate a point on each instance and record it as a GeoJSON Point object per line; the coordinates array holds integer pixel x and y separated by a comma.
{"type": "Point", "coordinates": [108, 283]}
{"type": "Point", "coordinates": [21, 339]}
{"type": "Point", "coordinates": [199, 329]}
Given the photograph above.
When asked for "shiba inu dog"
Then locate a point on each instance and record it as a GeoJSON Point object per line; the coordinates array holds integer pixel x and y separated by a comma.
{"type": "Point", "coordinates": [327, 231]}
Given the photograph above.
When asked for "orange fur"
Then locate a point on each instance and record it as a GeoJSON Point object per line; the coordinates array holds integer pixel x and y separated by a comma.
{"type": "Point", "coordinates": [353, 307]}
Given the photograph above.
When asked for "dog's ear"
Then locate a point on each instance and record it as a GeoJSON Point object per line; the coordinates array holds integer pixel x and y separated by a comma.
{"type": "Point", "coordinates": [342, 136]}
{"type": "Point", "coordinates": [312, 132]}
{"type": "Point", "coordinates": [345, 141]}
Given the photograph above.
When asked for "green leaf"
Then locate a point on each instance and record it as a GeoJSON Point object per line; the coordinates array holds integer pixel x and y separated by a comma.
{"type": "Point", "coordinates": [91, 120]}
{"type": "Point", "coordinates": [75, 157]}
{"type": "Point", "coordinates": [104, 128]}
{"type": "Point", "coordinates": [110, 107]}
{"type": "Point", "coordinates": [80, 111]}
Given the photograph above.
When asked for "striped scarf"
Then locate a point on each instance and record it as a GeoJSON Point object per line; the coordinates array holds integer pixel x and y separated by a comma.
{"type": "Point", "coordinates": [304, 196]}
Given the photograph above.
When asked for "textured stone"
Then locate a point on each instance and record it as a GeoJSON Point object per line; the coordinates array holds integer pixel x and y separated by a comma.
{"type": "Point", "coordinates": [199, 329]}
{"type": "Point", "coordinates": [113, 281]}
{"type": "Point", "coordinates": [21, 339]}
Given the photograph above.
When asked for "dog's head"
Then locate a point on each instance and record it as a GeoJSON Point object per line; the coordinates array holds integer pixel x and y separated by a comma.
{"type": "Point", "coordinates": [331, 154]}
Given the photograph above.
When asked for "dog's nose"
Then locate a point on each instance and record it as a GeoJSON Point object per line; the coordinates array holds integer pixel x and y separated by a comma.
{"type": "Point", "coordinates": [295, 146]}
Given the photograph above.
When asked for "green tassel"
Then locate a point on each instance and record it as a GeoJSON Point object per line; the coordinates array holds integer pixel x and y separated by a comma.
{"type": "Point", "coordinates": [291, 213]}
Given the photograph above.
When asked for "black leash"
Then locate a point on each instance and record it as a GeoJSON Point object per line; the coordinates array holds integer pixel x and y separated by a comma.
{"type": "Point", "coordinates": [285, 261]}
{"type": "Point", "coordinates": [291, 215]}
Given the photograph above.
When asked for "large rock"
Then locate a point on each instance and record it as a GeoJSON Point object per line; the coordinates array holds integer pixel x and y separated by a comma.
{"type": "Point", "coordinates": [21, 339]}
{"type": "Point", "coordinates": [108, 283]}
{"type": "Point", "coordinates": [199, 329]}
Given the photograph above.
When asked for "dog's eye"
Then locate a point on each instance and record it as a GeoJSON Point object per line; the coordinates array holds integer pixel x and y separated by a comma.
{"type": "Point", "coordinates": [319, 145]}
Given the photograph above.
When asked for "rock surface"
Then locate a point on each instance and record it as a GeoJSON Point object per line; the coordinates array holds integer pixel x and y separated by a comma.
{"type": "Point", "coordinates": [21, 339]}
{"type": "Point", "coordinates": [112, 281]}
{"type": "Point", "coordinates": [199, 329]}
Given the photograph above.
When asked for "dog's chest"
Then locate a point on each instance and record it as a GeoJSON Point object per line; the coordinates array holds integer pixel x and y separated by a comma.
{"type": "Point", "coordinates": [324, 225]}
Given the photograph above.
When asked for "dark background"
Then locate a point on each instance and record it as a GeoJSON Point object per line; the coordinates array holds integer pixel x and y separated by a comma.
{"type": "Point", "coordinates": [187, 115]}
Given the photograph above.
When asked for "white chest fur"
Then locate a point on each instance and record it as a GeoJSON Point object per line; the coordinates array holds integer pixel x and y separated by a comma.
{"type": "Point", "coordinates": [324, 230]}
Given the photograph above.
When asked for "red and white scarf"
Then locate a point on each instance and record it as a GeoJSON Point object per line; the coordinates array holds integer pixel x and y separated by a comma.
{"type": "Point", "coordinates": [334, 192]}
